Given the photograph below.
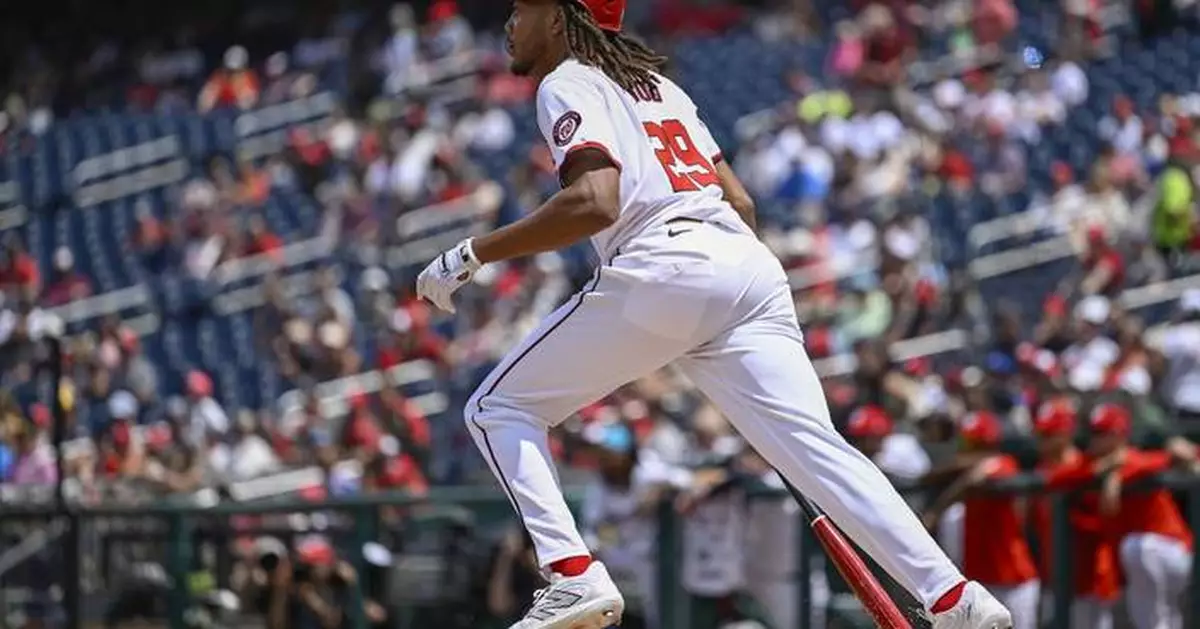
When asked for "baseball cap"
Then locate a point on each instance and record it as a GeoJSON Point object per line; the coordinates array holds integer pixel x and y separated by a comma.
{"type": "Point", "coordinates": [869, 421]}
{"type": "Point", "coordinates": [1055, 417]}
{"type": "Point", "coordinates": [980, 427]}
{"type": "Point", "coordinates": [1110, 419]}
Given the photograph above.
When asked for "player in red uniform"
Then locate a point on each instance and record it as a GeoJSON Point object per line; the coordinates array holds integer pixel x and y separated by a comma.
{"type": "Point", "coordinates": [1093, 547]}
{"type": "Point", "coordinates": [1156, 545]}
{"type": "Point", "coordinates": [995, 551]}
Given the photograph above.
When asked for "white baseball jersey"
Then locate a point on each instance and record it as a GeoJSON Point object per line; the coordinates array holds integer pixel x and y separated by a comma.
{"type": "Point", "coordinates": [665, 153]}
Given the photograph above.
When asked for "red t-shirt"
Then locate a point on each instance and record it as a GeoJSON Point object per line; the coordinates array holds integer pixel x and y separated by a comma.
{"type": "Point", "coordinates": [1114, 263]}
{"type": "Point", "coordinates": [1153, 511]}
{"type": "Point", "coordinates": [22, 271]}
{"type": "Point", "coordinates": [1094, 550]}
{"type": "Point", "coordinates": [1141, 511]}
{"type": "Point", "coordinates": [995, 551]}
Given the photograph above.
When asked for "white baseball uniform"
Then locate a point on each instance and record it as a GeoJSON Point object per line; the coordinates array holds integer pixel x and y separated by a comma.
{"type": "Point", "coordinates": [1157, 569]}
{"type": "Point", "coordinates": [683, 280]}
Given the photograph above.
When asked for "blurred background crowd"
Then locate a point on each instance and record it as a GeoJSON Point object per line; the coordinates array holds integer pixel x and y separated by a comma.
{"type": "Point", "coordinates": [218, 210]}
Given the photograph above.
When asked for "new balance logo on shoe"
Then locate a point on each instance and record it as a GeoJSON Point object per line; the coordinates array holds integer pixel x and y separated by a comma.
{"type": "Point", "coordinates": [553, 601]}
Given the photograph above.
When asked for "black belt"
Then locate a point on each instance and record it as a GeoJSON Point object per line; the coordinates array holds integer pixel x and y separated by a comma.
{"type": "Point", "coordinates": [685, 219]}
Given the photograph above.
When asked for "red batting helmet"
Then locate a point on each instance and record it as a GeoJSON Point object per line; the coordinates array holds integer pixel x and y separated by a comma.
{"type": "Point", "coordinates": [1111, 419]}
{"type": "Point", "coordinates": [609, 14]}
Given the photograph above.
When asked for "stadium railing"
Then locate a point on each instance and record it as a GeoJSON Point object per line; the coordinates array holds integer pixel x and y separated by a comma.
{"type": "Point", "coordinates": [168, 533]}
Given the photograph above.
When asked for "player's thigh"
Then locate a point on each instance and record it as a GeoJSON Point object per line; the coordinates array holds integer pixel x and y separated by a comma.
{"type": "Point", "coordinates": [761, 377]}
{"type": "Point", "coordinates": [582, 351]}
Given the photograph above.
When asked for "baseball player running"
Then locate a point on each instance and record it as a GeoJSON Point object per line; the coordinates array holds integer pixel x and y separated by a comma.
{"type": "Point", "coordinates": [683, 280]}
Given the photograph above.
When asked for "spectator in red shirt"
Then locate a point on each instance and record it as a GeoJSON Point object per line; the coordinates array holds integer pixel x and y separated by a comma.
{"type": "Point", "coordinates": [410, 420]}
{"type": "Point", "coordinates": [887, 47]}
{"type": "Point", "coordinates": [261, 240]}
{"type": "Point", "coordinates": [233, 85]}
{"type": "Point", "coordinates": [18, 269]}
{"type": "Point", "coordinates": [1103, 266]}
{"type": "Point", "coordinates": [66, 284]}
{"type": "Point", "coordinates": [412, 338]}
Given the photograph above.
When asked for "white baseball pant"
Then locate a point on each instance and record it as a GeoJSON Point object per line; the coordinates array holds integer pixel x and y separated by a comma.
{"type": "Point", "coordinates": [1021, 600]}
{"type": "Point", "coordinates": [1091, 613]}
{"type": "Point", "coordinates": [714, 301]}
{"type": "Point", "coordinates": [1157, 569]}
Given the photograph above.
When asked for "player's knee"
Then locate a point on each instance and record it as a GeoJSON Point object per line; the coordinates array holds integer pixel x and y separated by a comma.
{"type": "Point", "coordinates": [473, 407]}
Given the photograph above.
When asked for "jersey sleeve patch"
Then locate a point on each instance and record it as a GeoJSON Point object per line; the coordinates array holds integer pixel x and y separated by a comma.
{"type": "Point", "coordinates": [566, 127]}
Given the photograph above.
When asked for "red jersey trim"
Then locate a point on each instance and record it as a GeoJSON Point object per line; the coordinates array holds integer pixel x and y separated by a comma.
{"type": "Point", "coordinates": [591, 145]}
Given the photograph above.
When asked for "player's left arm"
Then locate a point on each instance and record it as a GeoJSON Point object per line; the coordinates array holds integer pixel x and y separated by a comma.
{"type": "Point", "coordinates": [588, 203]}
{"type": "Point", "coordinates": [732, 190]}
{"type": "Point", "coordinates": [736, 195]}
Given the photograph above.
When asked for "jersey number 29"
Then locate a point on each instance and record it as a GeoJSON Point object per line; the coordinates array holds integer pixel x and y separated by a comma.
{"type": "Point", "coordinates": [687, 169]}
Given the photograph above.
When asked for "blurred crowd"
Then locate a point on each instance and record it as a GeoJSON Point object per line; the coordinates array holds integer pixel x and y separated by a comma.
{"type": "Point", "coordinates": [859, 175]}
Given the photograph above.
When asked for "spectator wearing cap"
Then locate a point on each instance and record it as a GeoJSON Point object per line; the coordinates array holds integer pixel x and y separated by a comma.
{"type": "Point", "coordinates": [1088, 359]}
{"type": "Point", "coordinates": [205, 415]}
{"type": "Point", "coordinates": [449, 33]}
{"type": "Point", "coordinates": [1097, 580]}
{"type": "Point", "coordinates": [66, 283]}
{"type": "Point", "coordinates": [995, 550]}
{"type": "Point", "coordinates": [122, 452]}
{"type": "Point", "coordinates": [1156, 545]}
{"type": "Point", "coordinates": [897, 454]}
{"type": "Point", "coordinates": [234, 84]}
{"type": "Point", "coordinates": [1180, 346]}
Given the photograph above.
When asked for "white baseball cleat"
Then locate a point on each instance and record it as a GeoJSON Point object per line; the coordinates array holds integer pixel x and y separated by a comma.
{"type": "Point", "coordinates": [977, 609]}
{"type": "Point", "coordinates": [588, 601]}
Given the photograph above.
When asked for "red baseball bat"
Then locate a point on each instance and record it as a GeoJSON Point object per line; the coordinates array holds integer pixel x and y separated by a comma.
{"type": "Point", "coordinates": [852, 568]}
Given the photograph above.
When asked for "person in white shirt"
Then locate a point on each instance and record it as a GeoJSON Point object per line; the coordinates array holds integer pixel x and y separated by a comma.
{"type": "Point", "coordinates": [1069, 82]}
{"type": "Point", "coordinates": [1087, 360]}
{"type": "Point", "coordinates": [1180, 346]}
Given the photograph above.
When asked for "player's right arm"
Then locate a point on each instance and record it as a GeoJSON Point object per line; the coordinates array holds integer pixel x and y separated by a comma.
{"type": "Point", "coordinates": [736, 194]}
{"type": "Point", "coordinates": [576, 125]}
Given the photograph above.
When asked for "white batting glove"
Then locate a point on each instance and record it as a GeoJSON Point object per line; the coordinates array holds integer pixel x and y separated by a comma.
{"type": "Point", "coordinates": [446, 274]}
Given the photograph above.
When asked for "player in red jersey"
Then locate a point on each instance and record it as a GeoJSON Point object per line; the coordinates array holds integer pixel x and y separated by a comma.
{"type": "Point", "coordinates": [1156, 545]}
{"type": "Point", "coordinates": [995, 551]}
{"type": "Point", "coordinates": [1093, 546]}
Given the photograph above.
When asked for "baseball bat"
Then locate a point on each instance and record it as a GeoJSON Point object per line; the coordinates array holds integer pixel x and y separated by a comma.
{"type": "Point", "coordinates": [852, 567]}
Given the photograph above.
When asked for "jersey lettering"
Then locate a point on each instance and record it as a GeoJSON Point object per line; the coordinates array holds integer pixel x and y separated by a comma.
{"type": "Point", "coordinates": [646, 93]}
{"type": "Point", "coordinates": [686, 167]}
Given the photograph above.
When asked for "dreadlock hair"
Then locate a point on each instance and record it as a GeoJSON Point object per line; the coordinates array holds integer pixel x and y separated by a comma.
{"type": "Point", "coordinates": [625, 60]}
